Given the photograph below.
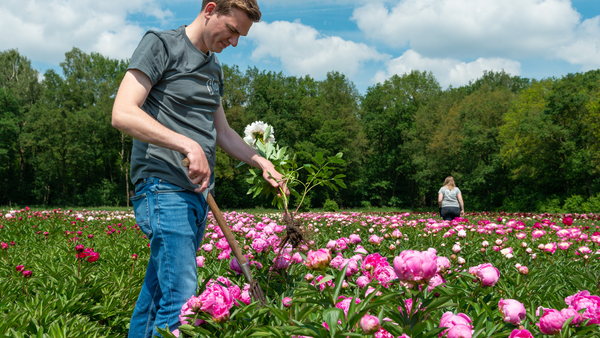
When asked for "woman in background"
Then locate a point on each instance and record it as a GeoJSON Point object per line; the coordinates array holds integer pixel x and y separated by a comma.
{"type": "Point", "coordinates": [450, 200]}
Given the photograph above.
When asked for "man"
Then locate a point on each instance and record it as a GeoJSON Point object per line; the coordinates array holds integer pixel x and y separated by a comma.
{"type": "Point", "coordinates": [170, 103]}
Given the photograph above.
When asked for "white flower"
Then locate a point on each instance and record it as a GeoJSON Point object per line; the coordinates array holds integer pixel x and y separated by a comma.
{"type": "Point", "coordinates": [461, 260]}
{"type": "Point", "coordinates": [256, 132]}
{"type": "Point", "coordinates": [462, 234]}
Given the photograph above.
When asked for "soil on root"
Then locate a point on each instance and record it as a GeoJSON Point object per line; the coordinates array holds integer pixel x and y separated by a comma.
{"type": "Point", "coordinates": [295, 233]}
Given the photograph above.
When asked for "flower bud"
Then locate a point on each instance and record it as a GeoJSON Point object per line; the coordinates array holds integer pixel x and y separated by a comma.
{"type": "Point", "coordinates": [461, 261]}
{"type": "Point", "coordinates": [523, 270]}
{"type": "Point", "coordinates": [134, 257]}
{"type": "Point", "coordinates": [369, 324]}
{"type": "Point", "coordinates": [523, 245]}
{"type": "Point", "coordinates": [482, 250]}
{"type": "Point", "coordinates": [498, 241]}
{"type": "Point", "coordinates": [453, 257]}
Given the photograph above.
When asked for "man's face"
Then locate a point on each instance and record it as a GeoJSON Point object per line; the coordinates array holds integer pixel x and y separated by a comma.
{"type": "Point", "coordinates": [225, 30]}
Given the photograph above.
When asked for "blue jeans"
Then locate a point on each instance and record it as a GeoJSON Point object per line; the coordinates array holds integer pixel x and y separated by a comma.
{"type": "Point", "coordinates": [450, 213]}
{"type": "Point", "coordinates": [174, 220]}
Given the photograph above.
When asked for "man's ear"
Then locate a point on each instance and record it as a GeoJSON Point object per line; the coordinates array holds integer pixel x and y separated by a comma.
{"type": "Point", "coordinates": [209, 10]}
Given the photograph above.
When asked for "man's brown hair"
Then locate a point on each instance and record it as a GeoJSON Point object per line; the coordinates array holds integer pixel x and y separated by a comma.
{"type": "Point", "coordinates": [250, 7]}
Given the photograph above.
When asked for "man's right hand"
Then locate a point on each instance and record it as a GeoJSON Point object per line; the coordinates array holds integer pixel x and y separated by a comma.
{"type": "Point", "coordinates": [198, 171]}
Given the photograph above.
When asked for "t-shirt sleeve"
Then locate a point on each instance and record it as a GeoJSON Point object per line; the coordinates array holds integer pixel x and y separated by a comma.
{"type": "Point", "coordinates": [150, 57]}
{"type": "Point", "coordinates": [441, 190]}
{"type": "Point", "coordinates": [458, 191]}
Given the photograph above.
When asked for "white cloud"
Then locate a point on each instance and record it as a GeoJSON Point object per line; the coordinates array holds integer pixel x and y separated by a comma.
{"type": "Point", "coordinates": [447, 71]}
{"type": "Point", "coordinates": [471, 28]}
{"type": "Point", "coordinates": [302, 50]}
{"type": "Point", "coordinates": [44, 30]}
{"type": "Point", "coordinates": [585, 49]}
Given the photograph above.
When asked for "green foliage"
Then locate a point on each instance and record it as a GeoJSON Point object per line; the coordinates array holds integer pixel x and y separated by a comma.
{"type": "Point", "coordinates": [509, 142]}
{"type": "Point", "coordinates": [330, 205]}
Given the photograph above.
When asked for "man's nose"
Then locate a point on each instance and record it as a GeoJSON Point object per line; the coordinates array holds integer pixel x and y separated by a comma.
{"type": "Point", "coordinates": [234, 40]}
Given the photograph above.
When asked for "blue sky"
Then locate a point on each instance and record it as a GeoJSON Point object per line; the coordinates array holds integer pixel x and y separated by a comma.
{"type": "Point", "coordinates": [368, 41]}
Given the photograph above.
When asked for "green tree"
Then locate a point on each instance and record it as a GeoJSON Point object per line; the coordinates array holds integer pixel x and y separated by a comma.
{"type": "Point", "coordinates": [387, 115]}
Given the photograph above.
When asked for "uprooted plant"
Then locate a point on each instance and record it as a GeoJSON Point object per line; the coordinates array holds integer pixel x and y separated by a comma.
{"type": "Point", "coordinates": [322, 172]}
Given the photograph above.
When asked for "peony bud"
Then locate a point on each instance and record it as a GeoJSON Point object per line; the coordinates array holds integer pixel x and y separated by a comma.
{"type": "Point", "coordinates": [369, 324]}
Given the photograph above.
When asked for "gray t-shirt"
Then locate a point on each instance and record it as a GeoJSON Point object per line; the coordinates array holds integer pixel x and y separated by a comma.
{"type": "Point", "coordinates": [187, 86]}
{"type": "Point", "coordinates": [450, 197]}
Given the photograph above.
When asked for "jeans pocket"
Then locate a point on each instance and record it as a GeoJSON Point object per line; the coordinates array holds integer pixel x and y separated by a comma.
{"type": "Point", "coordinates": [142, 214]}
{"type": "Point", "coordinates": [165, 187]}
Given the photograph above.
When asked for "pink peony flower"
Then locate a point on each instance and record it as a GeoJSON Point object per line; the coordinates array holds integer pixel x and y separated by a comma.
{"type": "Point", "coordinates": [551, 322]}
{"type": "Point", "coordinates": [369, 324]}
{"type": "Point", "coordinates": [331, 245]}
{"type": "Point", "coordinates": [318, 260]}
{"type": "Point", "coordinates": [570, 312]}
{"type": "Point", "coordinates": [352, 267]}
{"type": "Point", "coordinates": [564, 245]}
{"type": "Point", "coordinates": [550, 247]}
{"type": "Point", "coordinates": [591, 304]}
{"type": "Point", "coordinates": [341, 244]}
{"type": "Point", "coordinates": [260, 245]}
{"type": "Point", "coordinates": [200, 261]}
{"type": "Point", "coordinates": [568, 221]}
{"type": "Point", "coordinates": [216, 298]}
{"type": "Point", "coordinates": [194, 304]}
{"type": "Point", "coordinates": [375, 240]}
{"type": "Point", "coordinates": [415, 266]}
{"type": "Point", "coordinates": [355, 239]}
{"type": "Point", "coordinates": [297, 258]}
{"type": "Point", "coordinates": [384, 274]}
{"type": "Point", "coordinates": [487, 274]}
{"type": "Point", "coordinates": [460, 331]}
{"type": "Point", "coordinates": [520, 334]}
{"type": "Point", "coordinates": [245, 295]}
{"type": "Point", "coordinates": [345, 303]}
{"type": "Point", "coordinates": [359, 249]}
{"type": "Point", "coordinates": [443, 264]}
{"type": "Point", "coordinates": [337, 261]}
{"type": "Point", "coordinates": [286, 301]}
{"type": "Point", "coordinates": [362, 281]}
{"type": "Point", "coordinates": [27, 273]}
{"type": "Point", "coordinates": [512, 311]}
{"type": "Point", "coordinates": [220, 312]}
{"type": "Point", "coordinates": [20, 268]}
{"type": "Point", "coordinates": [281, 262]}
{"type": "Point", "coordinates": [435, 281]}
{"type": "Point", "coordinates": [450, 320]}
{"type": "Point", "coordinates": [185, 311]}
{"type": "Point", "coordinates": [207, 247]}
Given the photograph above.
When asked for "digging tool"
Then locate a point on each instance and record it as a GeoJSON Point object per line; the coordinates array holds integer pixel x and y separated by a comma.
{"type": "Point", "coordinates": [255, 291]}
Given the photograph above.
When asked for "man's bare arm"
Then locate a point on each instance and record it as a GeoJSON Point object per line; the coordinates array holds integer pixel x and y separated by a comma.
{"type": "Point", "coordinates": [128, 117]}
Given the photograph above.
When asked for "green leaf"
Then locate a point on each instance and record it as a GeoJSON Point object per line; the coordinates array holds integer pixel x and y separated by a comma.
{"type": "Point", "coordinates": [331, 317]}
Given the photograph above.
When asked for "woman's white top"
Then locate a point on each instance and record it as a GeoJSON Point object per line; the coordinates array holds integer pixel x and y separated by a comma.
{"type": "Point", "coordinates": [450, 197]}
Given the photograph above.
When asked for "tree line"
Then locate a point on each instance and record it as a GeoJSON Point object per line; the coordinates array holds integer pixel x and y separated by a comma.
{"type": "Point", "coordinates": [511, 143]}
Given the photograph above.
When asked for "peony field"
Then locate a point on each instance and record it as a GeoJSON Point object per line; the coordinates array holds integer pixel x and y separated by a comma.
{"type": "Point", "coordinates": [77, 273]}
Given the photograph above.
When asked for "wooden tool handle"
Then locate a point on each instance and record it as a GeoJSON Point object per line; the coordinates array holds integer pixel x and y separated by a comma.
{"type": "Point", "coordinates": [222, 224]}
{"type": "Point", "coordinates": [237, 252]}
